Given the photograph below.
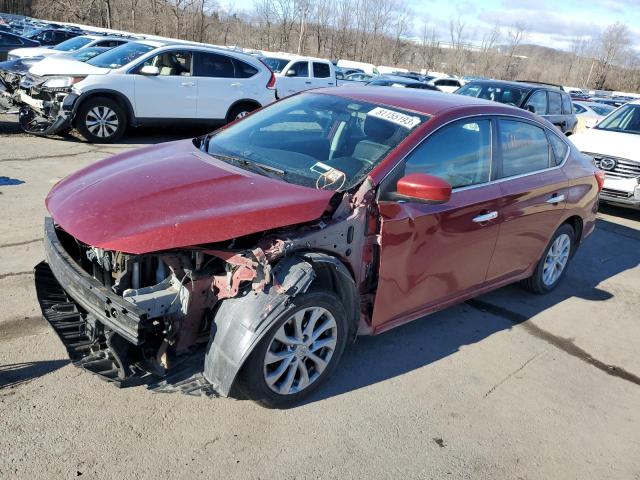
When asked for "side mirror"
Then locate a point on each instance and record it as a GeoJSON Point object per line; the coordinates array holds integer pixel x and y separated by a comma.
{"type": "Point", "coordinates": [291, 73]}
{"type": "Point", "coordinates": [427, 188]}
{"type": "Point", "coordinates": [150, 70]}
{"type": "Point", "coordinates": [530, 108]}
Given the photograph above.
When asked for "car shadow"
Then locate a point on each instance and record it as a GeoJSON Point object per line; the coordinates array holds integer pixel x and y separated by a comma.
{"type": "Point", "coordinates": [627, 213]}
{"type": "Point", "coordinates": [15, 374]}
{"type": "Point", "coordinates": [425, 341]}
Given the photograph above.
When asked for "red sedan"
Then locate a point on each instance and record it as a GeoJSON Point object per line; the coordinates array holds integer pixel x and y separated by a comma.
{"type": "Point", "coordinates": [253, 256]}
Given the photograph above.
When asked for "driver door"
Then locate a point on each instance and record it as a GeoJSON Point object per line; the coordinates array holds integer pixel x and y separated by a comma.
{"type": "Point", "coordinates": [295, 79]}
{"type": "Point", "coordinates": [172, 93]}
{"type": "Point", "coordinates": [432, 255]}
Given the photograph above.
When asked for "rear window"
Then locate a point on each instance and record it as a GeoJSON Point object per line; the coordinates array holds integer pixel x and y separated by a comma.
{"type": "Point", "coordinates": [213, 65]}
{"type": "Point", "coordinates": [275, 64]}
{"type": "Point", "coordinates": [321, 70]}
{"type": "Point", "coordinates": [555, 103]}
{"type": "Point", "coordinates": [243, 69]}
{"type": "Point", "coordinates": [524, 148]}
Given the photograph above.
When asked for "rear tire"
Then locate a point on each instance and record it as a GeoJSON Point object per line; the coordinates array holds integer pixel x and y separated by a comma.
{"type": "Point", "coordinates": [554, 262]}
{"type": "Point", "coordinates": [101, 120]}
{"type": "Point", "coordinates": [240, 111]}
{"type": "Point", "coordinates": [279, 373]}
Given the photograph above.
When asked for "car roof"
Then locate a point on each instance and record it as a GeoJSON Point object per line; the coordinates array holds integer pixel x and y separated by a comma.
{"type": "Point", "coordinates": [427, 102]}
{"type": "Point", "coordinates": [512, 84]}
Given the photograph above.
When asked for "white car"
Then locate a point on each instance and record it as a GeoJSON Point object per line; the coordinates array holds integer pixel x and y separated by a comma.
{"type": "Point", "coordinates": [444, 84]}
{"type": "Point", "coordinates": [614, 145]}
{"type": "Point", "coordinates": [295, 73]}
{"type": "Point", "coordinates": [71, 45]}
{"type": "Point", "coordinates": [590, 113]}
{"type": "Point", "coordinates": [143, 83]}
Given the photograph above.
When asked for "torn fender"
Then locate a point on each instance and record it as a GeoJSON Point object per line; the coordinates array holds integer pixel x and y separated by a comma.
{"type": "Point", "coordinates": [241, 322]}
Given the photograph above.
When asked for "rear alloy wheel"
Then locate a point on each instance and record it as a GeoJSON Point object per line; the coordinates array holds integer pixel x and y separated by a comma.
{"type": "Point", "coordinates": [300, 351]}
{"type": "Point", "coordinates": [554, 261]}
{"type": "Point", "coordinates": [101, 120]}
{"type": "Point", "coordinates": [240, 111]}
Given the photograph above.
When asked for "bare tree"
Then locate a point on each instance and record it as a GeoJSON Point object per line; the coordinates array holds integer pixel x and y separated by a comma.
{"type": "Point", "coordinates": [612, 44]}
{"type": "Point", "coordinates": [516, 35]}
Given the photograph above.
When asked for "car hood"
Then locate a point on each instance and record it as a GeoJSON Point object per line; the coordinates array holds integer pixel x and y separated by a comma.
{"type": "Point", "coordinates": [33, 52]}
{"type": "Point", "coordinates": [616, 144]}
{"type": "Point", "coordinates": [18, 66]}
{"type": "Point", "coordinates": [173, 195]}
{"type": "Point", "coordinates": [64, 66]}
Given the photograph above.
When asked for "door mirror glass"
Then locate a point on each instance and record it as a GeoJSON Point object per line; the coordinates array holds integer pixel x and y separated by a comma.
{"type": "Point", "coordinates": [531, 108]}
{"type": "Point", "coordinates": [150, 70]}
{"type": "Point", "coordinates": [424, 187]}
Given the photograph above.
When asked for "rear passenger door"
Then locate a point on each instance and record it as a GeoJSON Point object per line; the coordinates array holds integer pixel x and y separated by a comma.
{"type": "Point", "coordinates": [534, 191]}
{"type": "Point", "coordinates": [218, 87]}
{"type": "Point", "coordinates": [322, 75]}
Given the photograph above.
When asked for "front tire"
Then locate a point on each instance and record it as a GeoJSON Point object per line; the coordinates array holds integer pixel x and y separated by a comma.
{"type": "Point", "coordinates": [101, 120]}
{"type": "Point", "coordinates": [300, 351]}
{"type": "Point", "coordinates": [553, 264]}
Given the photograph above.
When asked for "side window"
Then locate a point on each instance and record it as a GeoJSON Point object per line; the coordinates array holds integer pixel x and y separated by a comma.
{"type": "Point", "coordinates": [5, 39]}
{"type": "Point", "coordinates": [539, 102]}
{"type": "Point", "coordinates": [560, 149]}
{"type": "Point", "coordinates": [555, 103]}
{"type": "Point", "coordinates": [321, 70]}
{"type": "Point", "coordinates": [171, 64]}
{"type": "Point", "coordinates": [459, 153]}
{"type": "Point", "coordinates": [300, 69]}
{"type": "Point", "coordinates": [566, 104]}
{"type": "Point", "coordinates": [243, 69]}
{"type": "Point", "coordinates": [213, 65]}
{"type": "Point", "coordinates": [524, 148]}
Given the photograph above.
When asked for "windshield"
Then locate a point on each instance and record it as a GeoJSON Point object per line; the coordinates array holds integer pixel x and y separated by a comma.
{"type": "Point", "coordinates": [602, 109]}
{"type": "Point", "coordinates": [275, 64]}
{"type": "Point", "coordinates": [88, 53]}
{"type": "Point", "coordinates": [625, 119]}
{"type": "Point", "coordinates": [32, 33]}
{"type": "Point", "coordinates": [121, 55]}
{"type": "Point", "coordinates": [72, 44]}
{"type": "Point", "coordinates": [508, 94]}
{"type": "Point", "coordinates": [316, 140]}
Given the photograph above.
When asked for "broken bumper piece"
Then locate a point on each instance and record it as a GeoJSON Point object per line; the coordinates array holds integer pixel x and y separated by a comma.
{"type": "Point", "coordinates": [83, 305]}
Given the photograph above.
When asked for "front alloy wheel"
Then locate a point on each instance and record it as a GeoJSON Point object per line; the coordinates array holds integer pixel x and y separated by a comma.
{"type": "Point", "coordinates": [300, 351]}
{"type": "Point", "coordinates": [101, 120]}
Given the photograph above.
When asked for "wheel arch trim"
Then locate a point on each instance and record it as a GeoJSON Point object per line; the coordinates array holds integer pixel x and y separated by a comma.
{"type": "Point", "coordinates": [108, 93]}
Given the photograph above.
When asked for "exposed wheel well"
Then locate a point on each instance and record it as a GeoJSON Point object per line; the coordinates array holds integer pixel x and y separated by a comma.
{"type": "Point", "coordinates": [119, 99]}
{"type": "Point", "coordinates": [242, 103]}
{"type": "Point", "coordinates": [333, 275]}
{"type": "Point", "coordinates": [576, 223]}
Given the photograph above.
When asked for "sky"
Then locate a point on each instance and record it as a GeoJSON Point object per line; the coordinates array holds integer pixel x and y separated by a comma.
{"type": "Point", "coordinates": [551, 23]}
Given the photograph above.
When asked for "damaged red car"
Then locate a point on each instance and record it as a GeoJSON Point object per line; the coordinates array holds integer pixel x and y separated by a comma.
{"type": "Point", "coordinates": [249, 259]}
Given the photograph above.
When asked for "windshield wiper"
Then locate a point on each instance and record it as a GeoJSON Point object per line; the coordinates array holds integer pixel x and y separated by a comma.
{"type": "Point", "coordinates": [252, 164]}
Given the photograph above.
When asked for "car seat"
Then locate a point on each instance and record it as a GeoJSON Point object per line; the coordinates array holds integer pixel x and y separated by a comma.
{"type": "Point", "coordinates": [376, 145]}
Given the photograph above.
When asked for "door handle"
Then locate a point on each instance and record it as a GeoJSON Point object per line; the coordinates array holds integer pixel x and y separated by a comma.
{"type": "Point", "coordinates": [188, 84]}
{"type": "Point", "coordinates": [556, 199]}
{"type": "Point", "coordinates": [485, 217]}
{"type": "Point", "coordinates": [308, 83]}
{"type": "Point", "coordinates": [236, 84]}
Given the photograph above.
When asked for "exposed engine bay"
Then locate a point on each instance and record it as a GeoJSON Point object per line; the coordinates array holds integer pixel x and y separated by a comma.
{"type": "Point", "coordinates": [137, 318]}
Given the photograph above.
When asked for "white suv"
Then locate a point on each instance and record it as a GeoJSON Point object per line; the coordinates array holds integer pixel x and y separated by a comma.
{"type": "Point", "coordinates": [141, 83]}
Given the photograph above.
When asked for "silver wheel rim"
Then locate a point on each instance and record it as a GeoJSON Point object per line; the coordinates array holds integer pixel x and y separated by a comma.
{"type": "Point", "coordinates": [102, 122]}
{"type": "Point", "coordinates": [556, 259]}
{"type": "Point", "coordinates": [242, 114]}
{"type": "Point", "coordinates": [300, 350]}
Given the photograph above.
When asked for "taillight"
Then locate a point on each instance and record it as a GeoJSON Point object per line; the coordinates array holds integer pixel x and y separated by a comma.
{"type": "Point", "coordinates": [272, 82]}
{"type": "Point", "coordinates": [599, 174]}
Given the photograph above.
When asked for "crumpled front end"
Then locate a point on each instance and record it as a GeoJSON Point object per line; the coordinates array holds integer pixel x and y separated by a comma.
{"type": "Point", "coordinates": [43, 110]}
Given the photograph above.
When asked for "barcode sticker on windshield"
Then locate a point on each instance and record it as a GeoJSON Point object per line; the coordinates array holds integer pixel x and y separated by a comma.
{"type": "Point", "coordinates": [406, 121]}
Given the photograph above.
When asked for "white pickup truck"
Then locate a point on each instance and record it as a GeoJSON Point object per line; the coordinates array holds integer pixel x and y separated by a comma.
{"type": "Point", "coordinates": [296, 73]}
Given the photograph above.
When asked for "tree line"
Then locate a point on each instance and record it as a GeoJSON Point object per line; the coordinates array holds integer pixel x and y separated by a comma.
{"type": "Point", "coordinates": [381, 32]}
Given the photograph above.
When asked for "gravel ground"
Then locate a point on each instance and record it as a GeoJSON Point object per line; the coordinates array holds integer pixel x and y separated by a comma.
{"type": "Point", "coordinates": [510, 385]}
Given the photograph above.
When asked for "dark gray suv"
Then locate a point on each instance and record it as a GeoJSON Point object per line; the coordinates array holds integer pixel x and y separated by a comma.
{"type": "Point", "coordinates": [548, 101]}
